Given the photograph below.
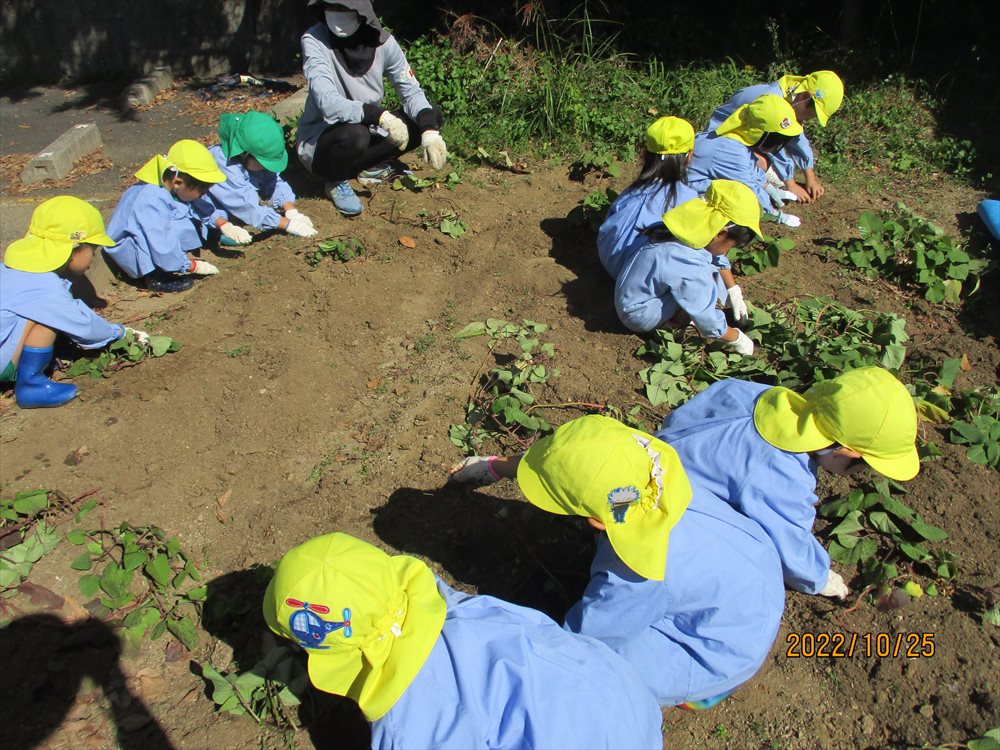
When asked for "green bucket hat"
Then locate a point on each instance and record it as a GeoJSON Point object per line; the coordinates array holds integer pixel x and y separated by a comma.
{"type": "Point", "coordinates": [256, 134]}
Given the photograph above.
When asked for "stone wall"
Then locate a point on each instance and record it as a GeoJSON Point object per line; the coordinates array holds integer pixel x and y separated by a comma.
{"type": "Point", "coordinates": [49, 41]}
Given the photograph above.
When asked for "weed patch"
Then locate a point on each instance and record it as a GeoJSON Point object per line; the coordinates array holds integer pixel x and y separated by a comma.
{"type": "Point", "coordinates": [799, 343]}
{"type": "Point", "coordinates": [126, 352]}
{"type": "Point", "coordinates": [338, 248]}
{"type": "Point", "coordinates": [912, 252]}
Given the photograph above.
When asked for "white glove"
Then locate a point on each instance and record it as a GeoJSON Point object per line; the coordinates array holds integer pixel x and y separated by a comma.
{"type": "Point", "coordinates": [474, 470]}
{"type": "Point", "coordinates": [738, 304]}
{"type": "Point", "coordinates": [299, 225]}
{"type": "Point", "coordinates": [779, 196]}
{"type": "Point", "coordinates": [204, 268]}
{"type": "Point", "coordinates": [237, 234]}
{"type": "Point", "coordinates": [773, 179]}
{"type": "Point", "coordinates": [293, 212]}
{"type": "Point", "coordinates": [742, 345]}
{"type": "Point", "coordinates": [141, 336]}
{"type": "Point", "coordinates": [789, 220]}
{"type": "Point", "coordinates": [835, 586]}
{"type": "Point", "coordinates": [399, 134]}
{"type": "Point", "coordinates": [435, 151]}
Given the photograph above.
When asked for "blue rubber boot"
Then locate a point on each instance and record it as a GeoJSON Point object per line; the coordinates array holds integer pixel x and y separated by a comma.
{"type": "Point", "coordinates": [989, 212]}
{"type": "Point", "coordinates": [32, 389]}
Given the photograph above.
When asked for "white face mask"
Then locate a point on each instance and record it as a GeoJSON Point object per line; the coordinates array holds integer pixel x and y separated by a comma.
{"type": "Point", "coordinates": [343, 22]}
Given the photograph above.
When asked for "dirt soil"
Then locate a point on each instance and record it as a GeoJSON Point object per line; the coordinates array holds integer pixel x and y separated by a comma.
{"type": "Point", "coordinates": [310, 400]}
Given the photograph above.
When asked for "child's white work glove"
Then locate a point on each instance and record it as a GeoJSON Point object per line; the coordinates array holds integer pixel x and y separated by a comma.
{"type": "Point", "coordinates": [399, 134]}
{"type": "Point", "coordinates": [141, 336]}
{"type": "Point", "coordinates": [779, 196]}
{"type": "Point", "coordinates": [738, 304]}
{"type": "Point", "coordinates": [203, 268]}
{"type": "Point", "coordinates": [835, 586]}
{"type": "Point", "coordinates": [237, 234]}
{"type": "Point", "coordinates": [477, 470]}
{"type": "Point", "coordinates": [293, 212]}
{"type": "Point", "coordinates": [299, 225]}
{"type": "Point", "coordinates": [789, 220]}
{"type": "Point", "coordinates": [435, 151]}
{"type": "Point", "coordinates": [773, 179]}
{"type": "Point", "coordinates": [742, 345]}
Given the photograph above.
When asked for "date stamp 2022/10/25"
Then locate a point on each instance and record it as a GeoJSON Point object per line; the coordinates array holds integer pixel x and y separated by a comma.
{"type": "Point", "coordinates": [847, 645]}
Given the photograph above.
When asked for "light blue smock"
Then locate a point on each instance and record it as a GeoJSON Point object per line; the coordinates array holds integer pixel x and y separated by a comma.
{"type": "Point", "coordinates": [663, 277]}
{"type": "Point", "coordinates": [152, 229]}
{"type": "Point", "coordinates": [504, 676]}
{"type": "Point", "coordinates": [336, 96]}
{"type": "Point", "coordinates": [718, 157]}
{"type": "Point", "coordinates": [708, 626]}
{"type": "Point", "coordinates": [241, 194]}
{"type": "Point", "coordinates": [723, 454]}
{"type": "Point", "coordinates": [798, 153]}
{"type": "Point", "coordinates": [46, 298]}
{"type": "Point", "coordinates": [637, 208]}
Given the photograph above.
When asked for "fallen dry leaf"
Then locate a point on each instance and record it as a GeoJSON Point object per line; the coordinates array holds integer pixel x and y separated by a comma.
{"type": "Point", "coordinates": [223, 513]}
{"type": "Point", "coordinates": [374, 383]}
{"type": "Point", "coordinates": [966, 365]}
{"type": "Point", "coordinates": [41, 596]}
{"type": "Point", "coordinates": [407, 242]}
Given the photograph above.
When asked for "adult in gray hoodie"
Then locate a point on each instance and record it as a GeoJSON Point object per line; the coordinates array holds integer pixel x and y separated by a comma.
{"type": "Point", "coordinates": [344, 129]}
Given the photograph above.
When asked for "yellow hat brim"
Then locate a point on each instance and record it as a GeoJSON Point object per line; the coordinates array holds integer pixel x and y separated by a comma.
{"type": "Point", "coordinates": [642, 540]}
{"type": "Point", "coordinates": [732, 127]}
{"type": "Point", "coordinates": [787, 421]}
{"type": "Point", "coordinates": [694, 222]}
{"type": "Point", "coordinates": [37, 255]}
{"type": "Point", "coordinates": [40, 255]}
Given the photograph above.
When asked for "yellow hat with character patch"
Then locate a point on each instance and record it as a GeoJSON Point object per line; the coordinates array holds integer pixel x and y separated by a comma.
{"type": "Point", "coordinates": [631, 482]}
{"type": "Point", "coordinates": [765, 114]}
{"type": "Point", "coordinates": [867, 410]}
{"type": "Point", "coordinates": [57, 226]}
{"type": "Point", "coordinates": [367, 620]}
{"type": "Point", "coordinates": [825, 88]}
{"type": "Point", "coordinates": [697, 221]}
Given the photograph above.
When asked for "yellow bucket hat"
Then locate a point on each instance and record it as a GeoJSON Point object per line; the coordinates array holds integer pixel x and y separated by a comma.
{"type": "Point", "coordinates": [867, 410]}
{"type": "Point", "coordinates": [765, 114]}
{"type": "Point", "coordinates": [696, 222]}
{"type": "Point", "coordinates": [185, 156]}
{"type": "Point", "coordinates": [825, 88]}
{"type": "Point", "coordinates": [670, 135]}
{"type": "Point", "coordinates": [367, 620]}
{"type": "Point", "coordinates": [631, 482]}
{"type": "Point", "coordinates": [57, 225]}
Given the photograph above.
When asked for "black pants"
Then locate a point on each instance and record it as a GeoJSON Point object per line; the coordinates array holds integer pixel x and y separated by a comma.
{"type": "Point", "coordinates": [345, 149]}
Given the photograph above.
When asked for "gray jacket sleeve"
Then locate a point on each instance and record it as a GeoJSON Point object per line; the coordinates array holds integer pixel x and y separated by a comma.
{"type": "Point", "coordinates": [401, 75]}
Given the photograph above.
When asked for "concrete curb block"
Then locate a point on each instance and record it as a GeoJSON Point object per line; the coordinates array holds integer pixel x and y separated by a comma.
{"type": "Point", "coordinates": [144, 91]}
{"type": "Point", "coordinates": [288, 109]}
{"type": "Point", "coordinates": [56, 160]}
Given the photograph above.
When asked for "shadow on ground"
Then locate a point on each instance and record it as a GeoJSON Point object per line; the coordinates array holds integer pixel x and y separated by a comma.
{"type": "Point", "coordinates": [503, 548]}
{"type": "Point", "coordinates": [590, 296]}
{"type": "Point", "coordinates": [45, 661]}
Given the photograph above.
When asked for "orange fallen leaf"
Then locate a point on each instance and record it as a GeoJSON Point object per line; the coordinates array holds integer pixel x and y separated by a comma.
{"type": "Point", "coordinates": [373, 383]}
{"type": "Point", "coordinates": [966, 365]}
{"type": "Point", "coordinates": [223, 514]}
{"type": "Point", "coordinates": [407, 242]}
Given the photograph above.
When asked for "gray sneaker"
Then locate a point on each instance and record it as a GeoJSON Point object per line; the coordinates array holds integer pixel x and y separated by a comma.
{"type": "Point", "coordinates": [376, 175]}
{"type": "Point", "coordinates": [344, 198]}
